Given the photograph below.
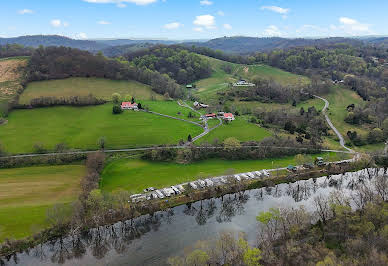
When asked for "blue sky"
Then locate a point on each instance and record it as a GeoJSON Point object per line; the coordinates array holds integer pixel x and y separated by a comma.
{"type": "Point", "coordinates": [193, 19]}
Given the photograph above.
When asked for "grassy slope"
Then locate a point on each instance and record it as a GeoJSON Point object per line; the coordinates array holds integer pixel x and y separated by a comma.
{"type": "Point", "coordinates": [135, 175]}
{"type": "Point", "coordinates": [81, 127]}
{"type": "Point", "coordinates": [207, 88]}
{"type": "Point", "coordinates": [10, 80]}
{"type": "Point", "coordinates": [101, 88]}
{"type": "Point", "coordinates": [27, 193]}
{"type": "Point", "coordinates": [240, 129]}
{"type": "Point", "coordinates": [171, 108]}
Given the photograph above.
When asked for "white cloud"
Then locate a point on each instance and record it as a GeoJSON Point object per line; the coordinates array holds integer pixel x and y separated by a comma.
{"type": "Point", "coordinates": [272, 31]}
{"type": "Point", "coordinates": [81, 35]}
{"type": "Point", "coordinates": [276, 9]}
{"type": "Point", "coordinates": [352, 26]}
{"type": "Point", "coordinates": [25, 11]}
{"type": "Point", "coordinates": [173, 26]}
{"type": "Point", "coordinates": [205, 21]}
{"type": "Point", "coordinates": [227, 26]}
{"type": "Point", "coordinates": [58, 23]}
{"type": "Point", "coordinates": [122, 3]}
{"type": "Point", "coordinates": [103, 22]}
{"type": "Point", "coordinates": [198, 29]}
{"type": "Point", "coordinates": [221, 13]}
{"type": "Point", "coordinates": [206, 3]}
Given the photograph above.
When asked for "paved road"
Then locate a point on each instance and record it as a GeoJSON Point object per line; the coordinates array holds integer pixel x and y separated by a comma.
{"type": "Point", "coordinates": [341, 138]}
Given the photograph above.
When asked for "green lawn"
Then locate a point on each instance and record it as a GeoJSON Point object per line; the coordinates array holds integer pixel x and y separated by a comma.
{"type": "Point", "coordinates": [135, 175]}
{"type": "Point", "coordinates": [101, 88]}
{"type": "Point", "coordinates": [171, 108]}
{"type": "Point", "coordinates": [81, 127]}
{"type": "Point", "coordinates": [339, 99]}
{"type": "Point", "coordinates": [219, 80]}
{"type": "Point", "coordinates": [27, 193]}
{"type": "Point", "coordinates": [240, 129]}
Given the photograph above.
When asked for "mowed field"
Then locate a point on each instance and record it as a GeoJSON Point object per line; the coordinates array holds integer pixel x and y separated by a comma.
{"type": "Point", "coordinates": [239, 129]}
{"type": "Point", "coordinates": [135, 175]}
{"type": "Point", "coordinates": [99, 87]}
{"type": "Point", "coordinates": [27, 193]}
{"type": "Point", "coordinates": [207, 88]}
{"type": "Point", "coordinates": [81, 127]}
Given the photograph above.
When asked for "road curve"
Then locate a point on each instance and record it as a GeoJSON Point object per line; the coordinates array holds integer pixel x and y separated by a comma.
{"type": "Point", "coordinates": [341, 138]}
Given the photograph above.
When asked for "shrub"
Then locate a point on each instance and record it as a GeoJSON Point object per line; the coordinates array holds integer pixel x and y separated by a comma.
{"type": "Point", "coordinates": [116, 109]}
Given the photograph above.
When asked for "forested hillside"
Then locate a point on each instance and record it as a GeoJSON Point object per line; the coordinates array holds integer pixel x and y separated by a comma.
{"type": "Point", "coordinates": [61, 62]}
{"type": "Point", "coordinates": [178, 63]}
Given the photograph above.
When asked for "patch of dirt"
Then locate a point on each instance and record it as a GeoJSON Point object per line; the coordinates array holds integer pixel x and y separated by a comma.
{"type": "Point", "coordinates": [246, 70]}
{"type": "Point", "coordinates": [9, 69]}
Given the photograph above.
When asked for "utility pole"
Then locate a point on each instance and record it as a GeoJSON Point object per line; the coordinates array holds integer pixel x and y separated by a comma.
{"type": "Point", "coordinates": [386, 148]}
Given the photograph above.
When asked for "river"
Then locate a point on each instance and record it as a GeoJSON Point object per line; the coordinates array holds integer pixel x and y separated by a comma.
{"type": "Point", "coordinates": [150, 240]}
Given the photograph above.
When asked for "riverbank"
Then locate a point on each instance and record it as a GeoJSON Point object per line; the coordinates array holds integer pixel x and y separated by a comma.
{"type": "Point", "coordinates": [142, 208]}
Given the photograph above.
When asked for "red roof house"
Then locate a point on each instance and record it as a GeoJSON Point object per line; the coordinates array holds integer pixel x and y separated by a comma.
{"type": "Point", "coordinates": [211, 115]}
{"type": "Point", "coordinates": [228, 116]}
{"type": "Point", "coordinates": [129, 106]}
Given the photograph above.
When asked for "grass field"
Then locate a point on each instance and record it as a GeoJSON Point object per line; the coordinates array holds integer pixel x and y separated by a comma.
{"type": "Point", "coordinates": [81, 127]}
{"type": "Point", "coordinates": [101, 88]}
{"type": "Point", "coordinates": [207, 88]}
{"type": "Point", "coordinates": [171, 108]}
{"type": "Point", "coordinates": [27, 193]}
{"type": "Point", "coordinates": [240, 129]}
{"type": "Point", "coordinates": [135, 175]}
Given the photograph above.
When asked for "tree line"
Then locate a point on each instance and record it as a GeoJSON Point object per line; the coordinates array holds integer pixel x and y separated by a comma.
{"type": "Point", "coordinates": [12, 50]}
{"type": "Point", "coordinates": [232, 149]}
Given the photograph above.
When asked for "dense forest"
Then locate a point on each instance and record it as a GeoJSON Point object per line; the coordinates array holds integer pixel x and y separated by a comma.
{"type": "Point", "coordinates": [180, 64]}
{"type": "Point", "coordinates": [61, 62]}
{"type": "Point", "coordinates": [11, 50]}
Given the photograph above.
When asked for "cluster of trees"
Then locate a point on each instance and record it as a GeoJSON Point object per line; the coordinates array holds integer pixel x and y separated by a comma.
{"type": "Point", "coordinates": [331, 234]}
{"type": "Point", "coordinates": [179, 64]}
{"type": "Point", "coordinates": [232, 149]}
{"type": "Point", "coordinates": [268, 91]}
{"type": "Point", "coordinates": [61, 62]}
{"type": "Point", "coordinates": [15, 162]}
{"type": "Point", "coordinates": [10, 50]}
{"type": "Point", "coordinates": [308, 124]}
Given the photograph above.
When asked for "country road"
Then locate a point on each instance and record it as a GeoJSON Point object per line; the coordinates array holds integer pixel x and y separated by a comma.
{"type": "Point", "coordinates": [341, 138]}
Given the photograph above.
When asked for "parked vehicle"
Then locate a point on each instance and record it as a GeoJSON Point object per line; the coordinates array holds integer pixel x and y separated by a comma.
{"type": "Point", "coordinates": [181, 188]}
{"type": "Point", "coordinates": [209, 183]}
{"type": "Point", "coordinates": [193, 185]}
{"type": "Point", "coordinates": [176, 190]}
{"type": "Point", "coordinates": [238, 178]}
{"type": "Point", "coordinates": [160, 194]}
{"type": "Point", "coordinates": [201, 183]}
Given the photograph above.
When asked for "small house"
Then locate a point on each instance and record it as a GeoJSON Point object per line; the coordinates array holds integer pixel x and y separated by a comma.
{"type": "Point", "coordinates": [189, 86]}
{"type": "Point", "coordinates": [129, 106]}
{"type": "Point", "coordinates": [243, 83]}
{"type": "Point", "coordinates": [228, 117]}
{"type": "Point", "coordinates": [211, 116]}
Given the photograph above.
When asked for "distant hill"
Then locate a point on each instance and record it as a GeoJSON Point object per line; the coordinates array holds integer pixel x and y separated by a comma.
{"type": "Point", "coordinates": [121, 42]}
{"type": "Point", "coordinates": [244, 45]}
{"type": "Point", "coordinates": [378, 41]}
{"type": "Point", "coordinates": [53, 40]}
{"type": "Point", "coordinates": [120, 50]}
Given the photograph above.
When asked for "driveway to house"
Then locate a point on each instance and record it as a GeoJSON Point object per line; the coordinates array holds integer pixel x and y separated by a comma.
{"type": "Point", "coordinates": [204, 118]}
{"type": "Point", "coordinates": [341, 138]}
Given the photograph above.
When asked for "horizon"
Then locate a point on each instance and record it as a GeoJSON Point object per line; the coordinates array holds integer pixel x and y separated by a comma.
{"type": "Point", "coordinates": [192, 19]}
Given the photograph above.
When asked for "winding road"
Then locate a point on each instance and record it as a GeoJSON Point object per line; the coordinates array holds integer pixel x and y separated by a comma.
{"type": "Point", "coordinates": [341, 138]}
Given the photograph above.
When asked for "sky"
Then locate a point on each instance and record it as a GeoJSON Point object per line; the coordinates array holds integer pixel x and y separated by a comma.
{"type": "Point", "coordinates": [193, 19]}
